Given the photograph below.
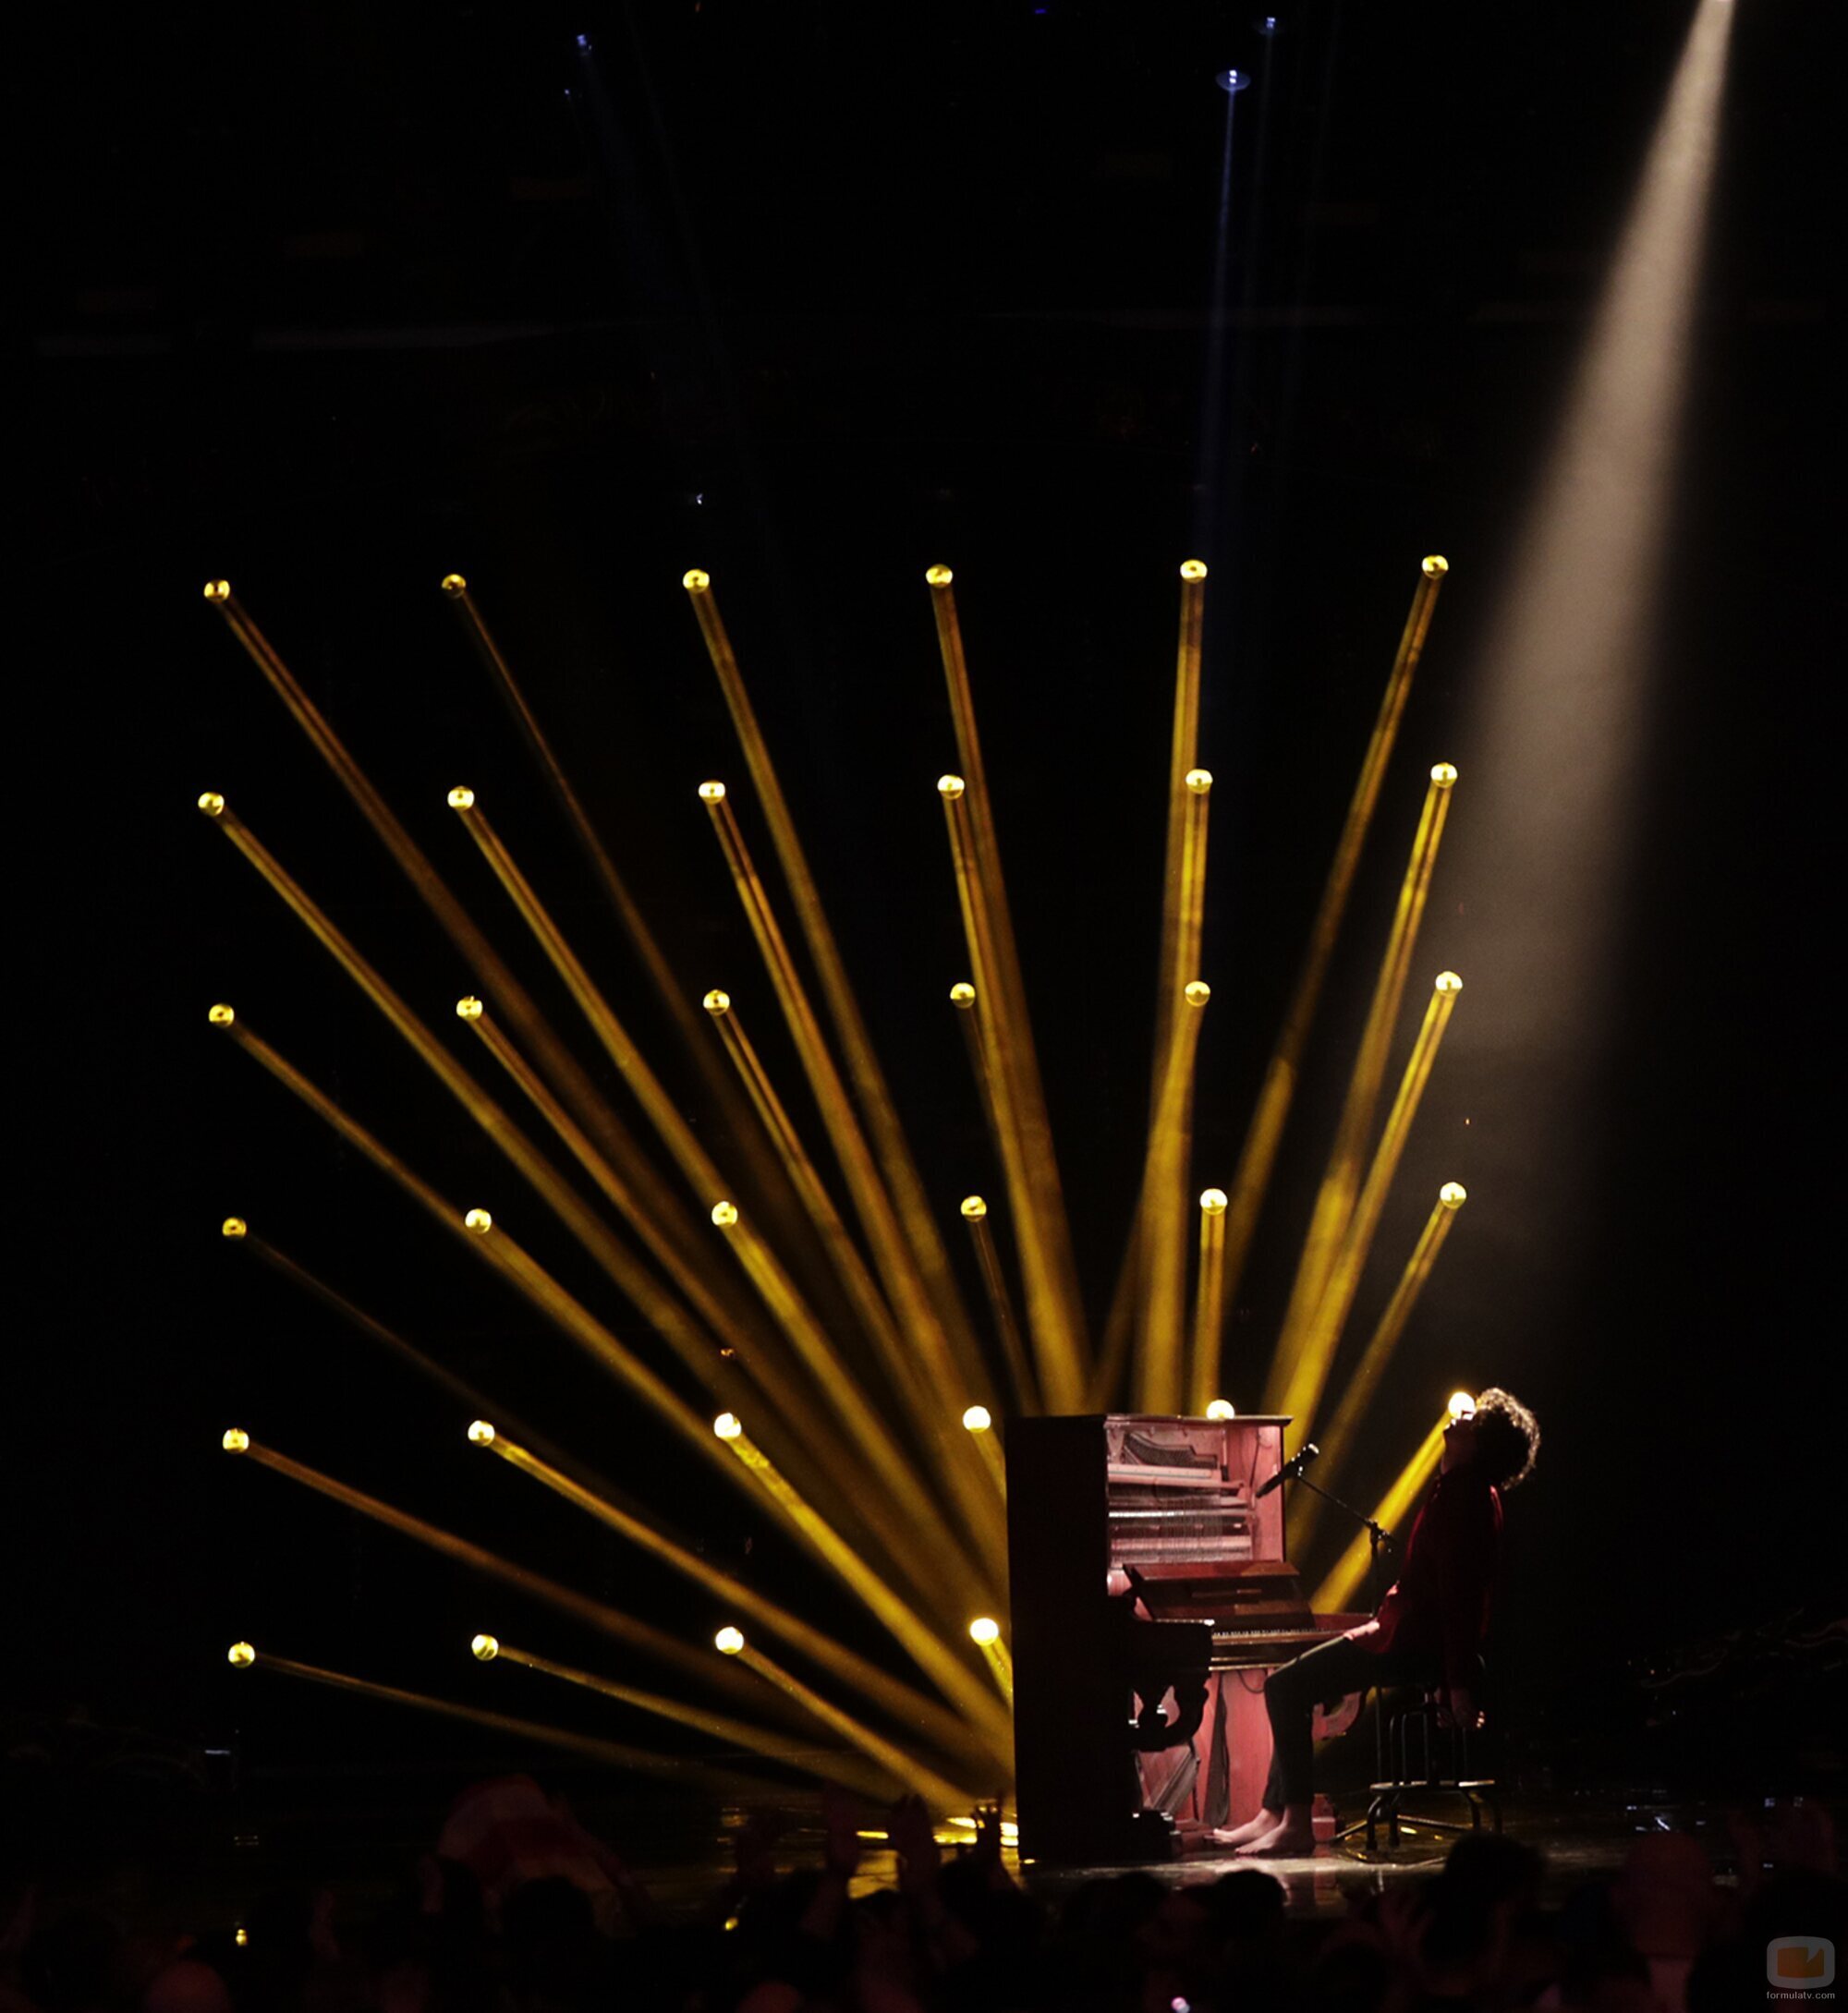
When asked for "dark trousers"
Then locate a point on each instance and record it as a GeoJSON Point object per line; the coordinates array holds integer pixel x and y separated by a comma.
{"type": "Point", "coordinates": [1322, 1676]}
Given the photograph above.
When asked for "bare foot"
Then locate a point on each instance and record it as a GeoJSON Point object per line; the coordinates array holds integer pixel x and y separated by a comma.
{"type": "Point", "coordinates": [1253, 1827]}
{"type": "Point", "coordinates": [1293, 1839]}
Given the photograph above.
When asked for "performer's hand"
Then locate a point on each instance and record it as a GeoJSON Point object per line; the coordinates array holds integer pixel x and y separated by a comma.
{"type": "Point", "coordinates": [1458, 1708]}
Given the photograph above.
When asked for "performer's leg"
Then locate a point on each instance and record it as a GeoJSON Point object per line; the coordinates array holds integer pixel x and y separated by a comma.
{"type": "Point", "coordinates": [1320, 1677]}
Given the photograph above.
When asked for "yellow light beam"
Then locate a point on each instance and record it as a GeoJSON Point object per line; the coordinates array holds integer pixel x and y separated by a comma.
{"type": "Point", "coordinates": [583, 1223]}
{"type": "Point", "coordinates": [1160, 1242]}
{"type": "Point", "coordinates": [829, 1766]}
{"type": "Point", "coordinates": [910, 1708]}
{"type": "Point", "coordinates": [663, 1112]}
{"type": "Point", "coordinates": [1019, 1364]}
{"type": "Point", "coordinates": [1297, 1384]}
{"type": "Point", "coordinates": [598, 1614]}
{"type": "Point", "coordinates": [478, 954]}
{"type": "Point", "coordinates": [926, 1648]}
{"type": "Point", "coordinates": [935, 1791]}
{"type": "Point", "coordinates": [935, 1551]}
{"type": "Point", "coordinates": [963, 998]}
{"type": "Point", "coordinates": [1257, 1157]}
{"type": "Point", "coordinates": [985, 1634]}
{"type": "Point", "coordinates": [778, 1291]}
{"type": "Point", "coordinates": [498, 1248]}
{"type": "Point", "coordinates": [475, 1228]}
{"type": "Point", "coordinates": [862, 1290]}
{"type": "Point", "coordinates": [1008, 1009]}
{"type": "Point", "coordinates": [974, 1211]}
{"type": "Point", "coordinates": [1203, 1362]}
{"type": "Point", "coordinates": [1054, 1341]}
{"type": "Point", "coordinates": [639, 1761]}
{"type": "Point", "coordinates": [1175, 968]}
{"type": "Point", "coordinates": [1339, 1588]}
{"type": "Point", "coordinates": [875, 1099]}
{"type": "Point", "coordinates": [672, 993]}
{"type": "Point", "coordinates": [1337, 1438]}
{"type": "Point", "coordinates": [1340, 1179]}
{"type": "Point", "coordinates": [468, 1399]}
{"type": "Point", "coordinates": [895, 1524]}
{"type": "Point", "coordinates": [731, 1323]}
{"type": "Point", "coordinates": [978, 1424]}
{"type": "Point", "coordinates": [911, 1303]}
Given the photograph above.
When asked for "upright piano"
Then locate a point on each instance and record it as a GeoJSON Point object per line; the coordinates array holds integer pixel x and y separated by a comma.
{"type": "Point", "coordinates": [1150, 1596]}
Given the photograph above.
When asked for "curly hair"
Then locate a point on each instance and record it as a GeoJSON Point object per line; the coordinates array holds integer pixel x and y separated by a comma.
{"type": "Point", "coordinates": [1507, 1438]}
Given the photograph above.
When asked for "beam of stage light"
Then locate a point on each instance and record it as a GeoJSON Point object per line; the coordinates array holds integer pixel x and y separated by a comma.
{"type": "Point", "coordinates": [292, 1080]}
{"type": "Point", "coordinates": [924, 1782]}
{"type": "Point", "coordinates": [963, 998]}
{"type": "Point", "coordinates": [638, 1761]}
{"type": "Point", "coordinates": [923, 1716]}
{"type": "Point", "coordinates": [911, 1348]}
{"type": "Point", "coordinates": [598, 1614]}
{"type": "Point", "coordinates": [978, 1424]}
{"type": "Point", "coordinates": [1057, 1343]}
{"type": "Point", "coordinates": [663, 1114]}
{"type": "Point", "coordinates": [1203, 1359]}
{"type": "Point", "coordinates": [506, 1256]}
{"type": "Point", "coordinates": [747, 1353]}
{"type": "Point", "coordinates": [804, 1429]}
{"type": "Point", "coordinates": [1341, 1181]}
{"type": "Point", "coordinates": [985, 1634]}
{"type": "Point", "coordinates": [668, 988]}
{"type": "Point", "coordinates": [830, 1766]}
{"type": "Point", "coordinates": [1258, 1156]}
{"type": "Point", "coordinates": [919, 1641]}
{"type": "Point", "coordinates": [875, 1099]}
{"type": "Point", "coordinates": [1350, 1570]}
{"type": "Point", "coordinates": [1013, 1047]}
{"type": "Point", "coordinates": [943, 1363]}
{"type": "Point", "coordinates": [907, 1375]}
{"type": "Point", "coordinates": [479, 956]}
{"type": "Point", "coordinates": [886, 1521]}
{"type": "Point", "coordinates": [584, 1224]}
{"type": "Point", "coordinates": [935, 1548]}
{"type": "Point", "coordinates": [1296, 1381]}
{"type": "Point", "coordinates": [1175, 967]}
{"type": "Point", "coordinates": [1564, 731]}
{"type": "Point", "coordinates": [467, 1398]}
{"type": "Point", "coordinates": [973, 1210]}
{"type": "Point", "coordinates": [778, 1291]}
{"type": "Point", "coordinates": [475, 1228]}
{"type": "Point", "coordinates": [732, 1322]}
{"type": "Point", "coordinates": [1339, 1436]}
{"type": "Point", "coordinates": [1159, 1238]}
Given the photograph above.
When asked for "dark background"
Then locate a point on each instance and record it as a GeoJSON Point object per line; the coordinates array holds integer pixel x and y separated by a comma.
{"type": "Point", "coordinates": [333, 300]}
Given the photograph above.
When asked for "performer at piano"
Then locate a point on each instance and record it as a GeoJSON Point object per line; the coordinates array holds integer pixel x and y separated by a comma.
{"type": "Point", "coordinates": [1428, 1629]}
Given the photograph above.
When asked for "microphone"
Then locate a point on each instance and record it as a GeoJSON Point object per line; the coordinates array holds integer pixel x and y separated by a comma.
{"type": "Point", "coordinates": [1291, 1469]}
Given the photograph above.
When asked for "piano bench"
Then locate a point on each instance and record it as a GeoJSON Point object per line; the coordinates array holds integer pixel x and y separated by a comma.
{"type": "Point", "coordinates": [1436, 1774]}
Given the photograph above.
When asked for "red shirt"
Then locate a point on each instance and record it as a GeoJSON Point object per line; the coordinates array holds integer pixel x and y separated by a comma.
{"type": "Point", "coordinates": [1438, 1607]}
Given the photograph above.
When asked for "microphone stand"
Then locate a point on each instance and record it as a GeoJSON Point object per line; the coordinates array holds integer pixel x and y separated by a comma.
{"type": "Point", "coordinates": [1378, 1538]}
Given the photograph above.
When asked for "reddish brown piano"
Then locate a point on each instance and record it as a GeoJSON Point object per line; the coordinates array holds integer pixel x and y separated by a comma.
{"type": "Point", "coordinates": [1150, 1594]}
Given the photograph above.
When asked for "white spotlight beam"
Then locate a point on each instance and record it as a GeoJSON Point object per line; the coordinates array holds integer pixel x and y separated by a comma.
{"type": "Point", "coordinates": [1565, 705]}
